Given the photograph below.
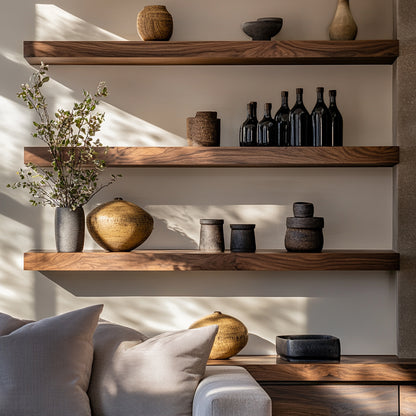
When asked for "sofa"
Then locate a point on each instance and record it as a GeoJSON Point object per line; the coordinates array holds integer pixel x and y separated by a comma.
{"type": "Point", "coordinates": [77, 365]}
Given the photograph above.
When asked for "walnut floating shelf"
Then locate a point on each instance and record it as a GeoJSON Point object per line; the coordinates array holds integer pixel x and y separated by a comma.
{"type": "Point", "coordinates": [360, 156]}
{"type": "Point", "coordinates": [194, 260]}
{"type": "Point", "coordinates": [351, 368]}
{"type": "Point", "coordinates": [285, 52]}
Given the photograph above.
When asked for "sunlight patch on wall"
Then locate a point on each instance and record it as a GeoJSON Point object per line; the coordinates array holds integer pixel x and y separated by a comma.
{"type": "Point", "coordinates": [14, 125]}
{"type": "Point", "coordinates": [183, 220]}
{"type": "Point", "coordinates": [54, 23]}
{"type": "Point", "coordinates": [133, 131]}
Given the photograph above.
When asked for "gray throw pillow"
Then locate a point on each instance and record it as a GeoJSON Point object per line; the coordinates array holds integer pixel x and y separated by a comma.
{"type": "Point", "coordinates": [140, 376]}
{"type": "Point", "coordinates": [9, 324]}
{"type": "Point", "coordinates": [45, 366]}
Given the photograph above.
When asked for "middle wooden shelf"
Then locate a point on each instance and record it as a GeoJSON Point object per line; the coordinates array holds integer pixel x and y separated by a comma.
{"type": "Point", "coordinates": [195, 260]}
{"type": "Point", "coordinates": [343, 156]}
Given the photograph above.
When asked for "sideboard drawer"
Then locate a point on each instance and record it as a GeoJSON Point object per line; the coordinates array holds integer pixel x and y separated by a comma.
{"type": "Point", "coordinates": [334, 400]}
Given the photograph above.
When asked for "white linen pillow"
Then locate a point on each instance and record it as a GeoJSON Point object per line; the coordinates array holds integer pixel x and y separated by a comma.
{"type": "Point", "coordinates": [140, 376]}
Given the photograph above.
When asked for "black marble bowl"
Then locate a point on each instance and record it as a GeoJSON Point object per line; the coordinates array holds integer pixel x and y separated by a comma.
{"type": "Point", "coordinates": [308, 347]}
{"type": "Point", "coordinates": [263, 28]}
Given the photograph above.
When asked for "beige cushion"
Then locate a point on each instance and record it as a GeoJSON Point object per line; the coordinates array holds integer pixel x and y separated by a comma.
{"type": "Point", "coordinates": [158, 376]}
{"type": "Point", "coordinates": [45, 366]}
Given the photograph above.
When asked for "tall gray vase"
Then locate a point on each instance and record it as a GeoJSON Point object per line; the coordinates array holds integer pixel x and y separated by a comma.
{"type": "Point", "coordinates": [69, 229]}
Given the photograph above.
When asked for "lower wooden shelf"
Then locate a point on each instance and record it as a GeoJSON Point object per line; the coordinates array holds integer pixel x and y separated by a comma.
{"type": "Point", "coordinates": [356, 385]}
{"type": "Point", "coordinates": [195, 260]}
{"type": "Point", "coordinates": [350, 369]}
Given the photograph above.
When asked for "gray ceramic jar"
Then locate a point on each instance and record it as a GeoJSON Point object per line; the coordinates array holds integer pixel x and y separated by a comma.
{"type": "Point", "coordinates": [211, 237]}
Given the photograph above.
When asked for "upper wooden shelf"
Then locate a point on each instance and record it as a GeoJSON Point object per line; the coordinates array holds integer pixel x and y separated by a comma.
{"type": "Point", "coordinates": [359, 156]}
{"type": "Point", "coordinates": [352, 368]}
{"type": "Point", "coordinates": [195, 260]}
{"type": "Point", "coordinates": [284, 52]}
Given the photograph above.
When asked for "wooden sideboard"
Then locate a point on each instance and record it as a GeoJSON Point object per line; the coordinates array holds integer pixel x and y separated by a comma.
{"type": "Point", "coordinates": [356, 385]}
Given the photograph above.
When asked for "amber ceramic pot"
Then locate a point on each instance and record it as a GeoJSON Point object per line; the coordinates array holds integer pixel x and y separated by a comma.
{"type": "Point", "coordinates": [343, 26]}
{"type": "Point", "coordinates": [154, 23]}
{"type": "Point", "coordinates": [231, 338]}
{"type": "Point", "coordinates": [119, 225]}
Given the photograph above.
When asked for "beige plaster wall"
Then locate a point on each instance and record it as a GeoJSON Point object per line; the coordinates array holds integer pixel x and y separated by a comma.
{"type": "Point", "coordinates": [148, 106]}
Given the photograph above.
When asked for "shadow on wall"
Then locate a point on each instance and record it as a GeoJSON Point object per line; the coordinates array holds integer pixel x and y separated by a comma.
{"type": "Point", "coordinates": [21, 226]}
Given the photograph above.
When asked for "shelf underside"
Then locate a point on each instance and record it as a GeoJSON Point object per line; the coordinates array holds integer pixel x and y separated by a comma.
{"type": "Point", "coordinates": [285, 52]}
{"type": "Point", "coordinates": [362, 369]}
{"type": "Point", "coordinates": [354, 156]}
{"type": "Point", "coordinates": [195, 260]}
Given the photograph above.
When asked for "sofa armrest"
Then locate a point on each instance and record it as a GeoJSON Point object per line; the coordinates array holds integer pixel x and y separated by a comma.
{"type": "Point", "coordinates": [230, 391]}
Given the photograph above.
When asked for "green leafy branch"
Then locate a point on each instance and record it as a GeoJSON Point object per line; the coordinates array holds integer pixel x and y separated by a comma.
{"type": "Point", "coordinates": [73, 178]}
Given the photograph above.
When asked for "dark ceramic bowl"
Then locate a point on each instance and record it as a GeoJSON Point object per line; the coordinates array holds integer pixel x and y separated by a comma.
{"type": "Point", "coordinates": [308, 347]}
{"type": "Point", "coordinates": [264, 28]}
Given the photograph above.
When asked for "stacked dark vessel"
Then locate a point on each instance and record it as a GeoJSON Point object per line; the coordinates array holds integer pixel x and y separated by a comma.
{"type": "Point", "coordinates": [295, 126]}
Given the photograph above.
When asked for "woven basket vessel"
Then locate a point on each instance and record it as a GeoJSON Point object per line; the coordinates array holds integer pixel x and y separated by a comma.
{"type": "Point", "coordinates": [155, 23]}
{"type": "Point", "coordinates": [231, 338]}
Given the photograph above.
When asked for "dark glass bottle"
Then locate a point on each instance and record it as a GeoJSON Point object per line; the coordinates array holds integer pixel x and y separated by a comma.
{"type": "Point", "coordinates": [337, 124]}
{"type": "Point", "coordinates": [248, 130]}
{"type": "Point", "coordinates": [266, 132]}
{"type": "Point", "coordinates": [282, 122]}
{"type": "Point", "coordinates": [300, 122]}
{"type": "Point", "coordinates": [321, 121]}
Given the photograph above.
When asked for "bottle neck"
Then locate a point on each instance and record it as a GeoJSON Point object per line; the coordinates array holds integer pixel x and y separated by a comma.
{"type": "Point", "coordinates": [267, 111]}
{"type": "Point", "coordinates": [253, 110]}
{"type": "Point", "coordinates": [332, 100]}
{"type": "Point", "coordinates": [284, 100]}
{"type": "Point", "coordinates": [299, 98]}
{"type": "Point", "coordinates": [248, 110]}
{"type": "Point", "coordinates": [320, 96]}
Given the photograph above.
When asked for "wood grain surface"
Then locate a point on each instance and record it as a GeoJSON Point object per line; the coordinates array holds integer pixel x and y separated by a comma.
{"type": "Point", "coordinates": [354, 156]}
{"type": "Point", "coordinates": [283, 52]}
{"type": "Point", "coordinates": [336, 400]}
{"type": "Point", "coordinates": [195, 260]}
{"type": "Point", "coordinates": [350, 369]}
{"type": "Point", "coordinates": [408, 400]}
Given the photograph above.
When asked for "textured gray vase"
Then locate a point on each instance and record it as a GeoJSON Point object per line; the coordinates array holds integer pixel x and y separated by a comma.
{"type": "Point", "coordinates": [69, 229]}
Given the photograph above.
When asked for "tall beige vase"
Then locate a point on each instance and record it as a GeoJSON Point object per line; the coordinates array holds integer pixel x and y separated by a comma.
{"type": "Point", "coordinates": [343, 26]}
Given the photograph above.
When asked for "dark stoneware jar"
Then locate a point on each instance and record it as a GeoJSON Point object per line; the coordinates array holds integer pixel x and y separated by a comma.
{"type": "Point", "coordinates": [304, 231]}
{"type": "Point", "coordinates": [242, 238]}
{"type": "Point", "coordinates": [204, 129]}
{"type": "Point", "coordinates": [303, 209]}
{"type": "Point", "coordinates": [304, 234]}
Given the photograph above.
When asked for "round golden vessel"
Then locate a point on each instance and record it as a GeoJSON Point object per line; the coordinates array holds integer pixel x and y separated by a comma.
{"type": "Point", "coordinates": [119, 225]}
{"type": "Point", "coordinates": [231, 338]}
